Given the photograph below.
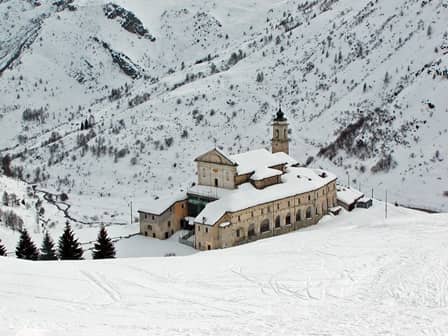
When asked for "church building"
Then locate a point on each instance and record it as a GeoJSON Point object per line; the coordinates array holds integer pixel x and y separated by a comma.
{"type": "Point", "coordinates": [244, 197]}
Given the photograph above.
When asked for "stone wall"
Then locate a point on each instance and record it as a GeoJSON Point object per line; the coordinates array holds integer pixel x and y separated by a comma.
{"type": "Point", "coordinates": [267, 220]}
{"type": "Point", "coordinates": [223, 174]}
{"type": "Point", "coordinates": [280, 141]}
{"type": "Point", "coordinates": [260, 184]}
{"type": "Point", "coordinates": [165, 225]}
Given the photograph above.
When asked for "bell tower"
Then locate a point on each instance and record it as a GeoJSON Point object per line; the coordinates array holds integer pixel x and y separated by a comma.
{"type": "Point", "coordinates": [280, 141]}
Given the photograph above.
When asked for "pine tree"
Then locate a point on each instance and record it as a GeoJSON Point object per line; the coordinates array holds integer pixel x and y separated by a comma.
{"type": "Point", "coordinates": [2, 250]}
{"type": "Point", "coordinates": [26, 249]}
{"type": "Point", "coordinates": [104, 247]}
{"type": "Point", "coordinates": [47, 250]}
{"type": "Point", "coordinates": [387, 78]}
{"type": "Point", "coordinates": [69, 247]}
{"type": "Point", "coordinates": [5, 198]}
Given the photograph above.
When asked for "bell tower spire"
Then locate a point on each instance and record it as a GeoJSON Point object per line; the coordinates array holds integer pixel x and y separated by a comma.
{"type": "Point", "coordinates": [280, 140]}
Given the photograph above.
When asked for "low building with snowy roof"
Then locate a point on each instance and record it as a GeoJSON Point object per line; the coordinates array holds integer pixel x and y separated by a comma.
{"type": "Point", "coordinates": [162, 217]}
{"type": "Point", "coordinates": [246, 196]}
{"type": "Point", "coordinates": [347, 197]}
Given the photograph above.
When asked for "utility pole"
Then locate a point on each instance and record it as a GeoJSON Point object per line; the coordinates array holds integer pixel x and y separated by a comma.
{"type": "Point", "coordinates": [131, 210]}
{"type": "Point", "coordinates": [37, 220]}
{"type": "Point", "coordinates": [348, 179]}
{"type": "Point", "coordinates": [385, 209]}
{"type": "Point", "coordinates": [372, 195]}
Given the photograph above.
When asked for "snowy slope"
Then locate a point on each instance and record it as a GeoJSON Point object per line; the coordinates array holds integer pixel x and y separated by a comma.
{"type": "Point", "coordinates": [160, 101]}
{"type": "Point", "coordinates": [356, 274]}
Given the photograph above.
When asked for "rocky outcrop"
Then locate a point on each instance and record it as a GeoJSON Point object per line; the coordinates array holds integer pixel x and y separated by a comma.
{"type": "Point", "coordinates": [124, 62]}
{"type": "Point", "coordinates": [128, 20]}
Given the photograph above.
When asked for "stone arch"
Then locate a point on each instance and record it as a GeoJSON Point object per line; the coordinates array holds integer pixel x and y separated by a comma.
{"type": "Point", "coordinates": [277, 221]}
{"type": "Point", "coordinates": [308, 212]}
{"type": "Point", "coordinates": [298, 215]}
{"type": "Point", "coordinates": [288, 219]}
{"type": "Point", "coordinates": [251, 231]}
{"type": "Point", "coordinates": [265, 226]}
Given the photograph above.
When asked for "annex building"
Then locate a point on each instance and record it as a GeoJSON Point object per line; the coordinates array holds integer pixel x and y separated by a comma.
{"type": "Point", "coordinates": [244, 197]}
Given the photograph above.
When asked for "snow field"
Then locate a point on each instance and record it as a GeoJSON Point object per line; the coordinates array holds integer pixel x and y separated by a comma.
{"type": "Point", "coordinates": [354, 274]}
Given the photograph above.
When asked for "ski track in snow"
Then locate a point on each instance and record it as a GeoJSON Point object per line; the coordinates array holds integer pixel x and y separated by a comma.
{"type": "Point", "coordinates": [103, 284]}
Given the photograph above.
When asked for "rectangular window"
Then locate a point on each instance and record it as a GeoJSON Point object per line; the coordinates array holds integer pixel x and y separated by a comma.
{"type": "Point", "coordinates": [252, 214]}
{"type": "Point", "coordinates": [238, 233]}
{"type": "Point", "coordinates": [169, 223]}
{"type": "Point", "coordinates": [289, 204]}
{"type": "Point", "coordinates": [239, 219]}
{"type": "Point", "coordinates": [152, 217]}
{"type": "Point", "coordinates": [206, 230]}
{"type": "Point", "coordinates": [262, 211]}
{"type": "Point", "coordinates": [150, 227]}
{"type": "Point", "coordinates": [199, 228]}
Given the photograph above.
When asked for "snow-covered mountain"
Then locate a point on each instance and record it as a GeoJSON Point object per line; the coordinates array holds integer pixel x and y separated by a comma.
{"type": "Point", "coordinates": [363, 84]}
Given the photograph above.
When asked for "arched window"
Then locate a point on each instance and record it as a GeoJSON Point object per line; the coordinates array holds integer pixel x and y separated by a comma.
{"type": "Point", "coordinates": [284, 133]}
{"type": "Point", "coordinates": [264, 226]}
{"type": "Point", "coordinates": [277, 221]}
{"type": "Point", "coordinates": [288, 219]}
{"type": "Point", "coordinates": [251, 231]}
{"type": "Point", "coordinates": [298, 216]}
{"type": "Point", "coordinates": [308, 213]}
{"type": "Point", "coordinates": [277, 133]}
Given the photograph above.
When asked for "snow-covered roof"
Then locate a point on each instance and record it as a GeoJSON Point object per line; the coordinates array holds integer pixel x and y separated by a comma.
{"type": "Point", "coordinates": [348, 195]}
{"type": "Point", "coordinates": [296, 180]}
{"type": "Point", "coordinates": [160, 205]}
{"type": "Point", "coordinates": [262, 173]}
{"type": "Point", "coordinates": [208, 191]}
{"type": "Point", "coordinates": [250, 161]}
{"type": "Point", "coordinates": [365, 199]}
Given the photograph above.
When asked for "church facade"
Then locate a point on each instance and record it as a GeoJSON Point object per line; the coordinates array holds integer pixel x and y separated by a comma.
{"type": "Point", "coordinates": [244, 197]}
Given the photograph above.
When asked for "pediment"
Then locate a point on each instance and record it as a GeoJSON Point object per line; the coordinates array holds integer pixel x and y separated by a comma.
{"type": "Point", "coordinates": [215, 156]}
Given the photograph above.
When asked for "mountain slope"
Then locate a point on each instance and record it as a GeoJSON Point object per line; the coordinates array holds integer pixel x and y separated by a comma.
{"type": "Point", "coordinates": [362, 83]}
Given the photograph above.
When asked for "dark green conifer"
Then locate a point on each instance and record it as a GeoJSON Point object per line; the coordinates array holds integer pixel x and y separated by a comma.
{"type": "Point", "coordinates": [2, 250]}
{"type": "Point", "coordinates": [69, 247]}
{"type": "Point", "coordinates": [47, 250]}
{"type": "Point", "coordinates": [26, 249]}
{"type": "Point", "coordinates": [104, 247]}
